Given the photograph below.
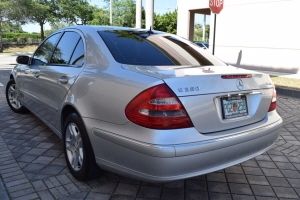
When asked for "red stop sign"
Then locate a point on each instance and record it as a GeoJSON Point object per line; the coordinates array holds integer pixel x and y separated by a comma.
{"type": "Point", "coordinates": [216, 6]}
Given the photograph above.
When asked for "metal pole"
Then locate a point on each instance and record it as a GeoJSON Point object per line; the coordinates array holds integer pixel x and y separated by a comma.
{"type": "Point", "coordinates": [214, 40]}
{"type": "Point", "coordinates": [110, 13]}
{"type": "Point", "coordinates": [138, 16]}
{"type": "Point", "coordinates": [149, 13]}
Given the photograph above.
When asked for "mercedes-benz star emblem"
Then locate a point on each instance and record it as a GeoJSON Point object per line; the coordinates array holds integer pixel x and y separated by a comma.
{"type": "Point", "coordinates": [239, 84]}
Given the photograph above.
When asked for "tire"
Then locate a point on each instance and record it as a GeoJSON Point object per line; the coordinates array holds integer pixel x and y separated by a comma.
{"type": "Point", "coordinates": [12, 97]}
{"type": "Point", "coordinates": [78, 151]}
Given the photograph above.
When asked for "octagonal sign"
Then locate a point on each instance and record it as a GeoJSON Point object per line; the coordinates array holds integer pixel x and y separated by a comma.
{"type": "Point", "coordinates": [216, 6]}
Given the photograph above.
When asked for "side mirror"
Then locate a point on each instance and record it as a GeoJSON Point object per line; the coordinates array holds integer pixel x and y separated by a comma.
{"type": "Point", "coordinates": [22, 60]}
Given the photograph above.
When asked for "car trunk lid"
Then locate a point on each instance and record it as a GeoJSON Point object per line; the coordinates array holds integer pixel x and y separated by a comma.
{"type": "Point", "coordinates": [216, 98]}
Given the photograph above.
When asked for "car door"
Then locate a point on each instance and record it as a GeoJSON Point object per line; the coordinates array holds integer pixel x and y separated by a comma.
{"type": "Point", "coordinates": [56, 78]}
{"type": "Point", "coordinates": [29, 89]}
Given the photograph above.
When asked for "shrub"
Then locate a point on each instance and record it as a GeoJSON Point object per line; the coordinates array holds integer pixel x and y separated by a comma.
{"type": "Point", "coordinates": [13, 36]}
{"type": "Point", "coordinates": [21, 40]}
{"type": "Point", "coordinates": [7, 41]}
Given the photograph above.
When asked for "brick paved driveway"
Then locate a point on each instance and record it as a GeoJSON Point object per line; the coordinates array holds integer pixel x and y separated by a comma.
{"type": "Point", "coordinates": [32, 166]}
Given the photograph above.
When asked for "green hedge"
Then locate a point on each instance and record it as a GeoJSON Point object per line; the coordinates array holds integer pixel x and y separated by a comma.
{"type": "Point", "coordinates": [19, 35]}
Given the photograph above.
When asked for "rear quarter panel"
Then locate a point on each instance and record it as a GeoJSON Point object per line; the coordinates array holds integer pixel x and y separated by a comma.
{"type": "Point", "coordinates": [103, 94]}
{"type": "Point", "coordinates": [103, 89]}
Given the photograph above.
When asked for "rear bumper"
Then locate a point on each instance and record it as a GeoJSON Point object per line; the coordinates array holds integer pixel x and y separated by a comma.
{"type": "Point", "coordinates": [153, 162]}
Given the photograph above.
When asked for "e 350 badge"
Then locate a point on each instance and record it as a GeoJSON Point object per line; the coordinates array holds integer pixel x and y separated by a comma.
{"type": "Point", "coordinates": [189, 89]}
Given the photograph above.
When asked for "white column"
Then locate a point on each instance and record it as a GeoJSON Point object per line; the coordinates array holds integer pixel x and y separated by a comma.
{"type": "Point", "coordinates": [138, 15]}
{"type": "Point", "coordinates": [110, 13]}
{"type": "Point", "coordinates": [149, 13]}
{"type": "Point", "coordinates": [203, 28]}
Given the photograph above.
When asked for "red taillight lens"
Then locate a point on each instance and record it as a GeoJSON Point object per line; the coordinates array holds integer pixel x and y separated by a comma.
{"type": "Point", "coordinates": [158, 108]}
{"type": "Point", "coordinates": [273, 102]}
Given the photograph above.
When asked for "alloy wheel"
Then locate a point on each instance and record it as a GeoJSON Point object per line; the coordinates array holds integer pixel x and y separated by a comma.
{"type": "Point", "coordinates": [13, 96]}
{"type": "Point", "coordinates": [74, 146]}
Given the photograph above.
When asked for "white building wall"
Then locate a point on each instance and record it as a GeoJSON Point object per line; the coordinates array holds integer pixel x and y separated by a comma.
{"type": "Point", "coordinates": [254, 34]}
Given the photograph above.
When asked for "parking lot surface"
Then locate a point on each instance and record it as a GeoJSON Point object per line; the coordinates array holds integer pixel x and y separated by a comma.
{"type": "Point", "coordinates": [32, 166]}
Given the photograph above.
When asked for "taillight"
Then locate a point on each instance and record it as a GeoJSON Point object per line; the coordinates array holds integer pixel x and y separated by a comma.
{"type": "Point", "coordinates": [236, 76]}
{"type": "Point", "coordinates": [158, 108]}
{"type": "Point", "coordinates": [273, 102]}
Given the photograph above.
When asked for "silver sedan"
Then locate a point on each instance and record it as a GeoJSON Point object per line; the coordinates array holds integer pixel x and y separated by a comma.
{"type": "Point", "coordinates": [145, 104]}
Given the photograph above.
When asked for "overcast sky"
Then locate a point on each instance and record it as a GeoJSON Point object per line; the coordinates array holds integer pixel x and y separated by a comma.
{"type": "Point", "coordinates": [160, 6]}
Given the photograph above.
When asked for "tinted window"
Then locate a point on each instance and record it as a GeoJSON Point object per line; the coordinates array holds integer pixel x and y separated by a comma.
{"type": "Point", "coordinates": [43, 53]}
{"type": "Point", "coordinates": [155, 48]}
{"type": "Point", "coordinates": [65, 48]}
{"type": "Point", "coordinates": [78, 55]}
{"type": "Point", "coordinates": [129, 48]}
{"type": "Point", "coordinates": [191, 54]}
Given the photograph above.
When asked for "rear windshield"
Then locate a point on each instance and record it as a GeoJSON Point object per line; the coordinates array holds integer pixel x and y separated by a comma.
{"type": "Point", "coordinates": [142, 48]}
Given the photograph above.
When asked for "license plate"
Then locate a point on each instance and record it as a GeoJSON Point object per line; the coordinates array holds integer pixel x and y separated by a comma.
{"type": "Point", "coordinates": [234, 106]}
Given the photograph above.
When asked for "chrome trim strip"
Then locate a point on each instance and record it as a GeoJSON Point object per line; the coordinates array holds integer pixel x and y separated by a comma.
{"type": "Point", "coordinates": [149, 149]}
{"type": "Point", "coordinates": [42, 101]}
{"type": "Point", "coordinates": [236, 94]}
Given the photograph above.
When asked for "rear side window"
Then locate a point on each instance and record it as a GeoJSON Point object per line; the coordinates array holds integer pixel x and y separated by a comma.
{"type": "Point", "coordinates": [78, 55]}
{"type": "Point", "coordinates": [128, 48]}
{"type": "Point", "coordinates": [65, 48]}
{"type": "Point", "coordinates": [43, 53]}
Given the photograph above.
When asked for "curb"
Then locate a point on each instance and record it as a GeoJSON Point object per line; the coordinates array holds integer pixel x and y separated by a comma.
{"type": "Point", "coordinates": [288, 92]}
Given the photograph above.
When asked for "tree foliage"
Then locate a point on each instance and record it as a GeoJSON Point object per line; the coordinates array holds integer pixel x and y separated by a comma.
{"type": "Point", "coordinates": [79, 12]}
{"type": "Point", "coordinates": [55, 26]}
{"type": "Point", "coordinates": [123, 12]}
{"type": "Point", "coordinates": [198, 33]}
{"type": "Point", "coordinates": [124, 15]}
{"type": "Point", "coordinates": [166, 22]}
{"type": "Point", "coordinates": [12, 10]}
{"type": "Point", "coordinates": [100, 17]}
{"type": "Point", "coordinates": [12, 27]}
{"type": "Point", "coordinates": [43, 11]}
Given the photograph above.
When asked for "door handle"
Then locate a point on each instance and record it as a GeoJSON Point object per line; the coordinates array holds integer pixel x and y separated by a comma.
{"type": "Point", "coordinates": [27, 71]}
{"type": "Point", "coordinates": [36, 74]}
{"type": "Point", "coordinates": [63, 80]}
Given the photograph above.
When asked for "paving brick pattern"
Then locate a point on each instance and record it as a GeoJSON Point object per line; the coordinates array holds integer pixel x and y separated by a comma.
{"type": "Point", "coordinates": [32, 166]}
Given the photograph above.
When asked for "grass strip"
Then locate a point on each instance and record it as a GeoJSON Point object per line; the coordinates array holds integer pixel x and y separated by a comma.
{"type": "Point", "coordinates": [12, 50]}
{"type": "Point", "coordinates": [290, 83]}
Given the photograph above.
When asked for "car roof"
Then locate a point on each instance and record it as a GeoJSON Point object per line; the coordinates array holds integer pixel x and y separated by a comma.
{"type": "Point", "coordinates": [102, 28]}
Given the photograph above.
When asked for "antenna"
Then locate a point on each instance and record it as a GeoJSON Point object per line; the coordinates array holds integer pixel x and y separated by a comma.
{"type": "Point", "coordinates": [150, 31]}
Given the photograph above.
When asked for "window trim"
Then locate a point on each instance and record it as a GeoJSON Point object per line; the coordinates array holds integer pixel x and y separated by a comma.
{"type": "Point", "coordinates": [68, 64]}
{"type": "Point", "coordinates": [74, 51]}
{"type": "Point", "coordinates": [32, 58]}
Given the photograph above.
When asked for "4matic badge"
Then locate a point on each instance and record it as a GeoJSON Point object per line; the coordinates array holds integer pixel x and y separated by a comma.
{"type": "Point", "coordinates": [189, 89]}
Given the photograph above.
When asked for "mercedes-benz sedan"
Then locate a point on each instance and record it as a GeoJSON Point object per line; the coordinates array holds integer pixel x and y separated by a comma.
{"type": "Point", "coordinates": [145, 104]}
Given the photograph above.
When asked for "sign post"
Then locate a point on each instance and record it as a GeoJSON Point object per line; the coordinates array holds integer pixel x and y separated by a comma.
{"type": "Point", "coordinates": [216, 7]}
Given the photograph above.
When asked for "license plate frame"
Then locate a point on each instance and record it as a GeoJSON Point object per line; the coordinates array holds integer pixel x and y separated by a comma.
{"type": "Point", "coordinates": [234, 106]}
